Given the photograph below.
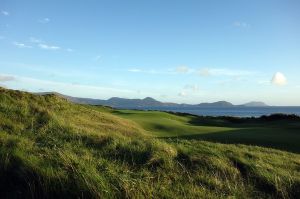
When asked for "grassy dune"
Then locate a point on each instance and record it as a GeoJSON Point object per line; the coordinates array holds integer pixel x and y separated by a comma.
{"type": "Point", "coordinates": [52, 148]}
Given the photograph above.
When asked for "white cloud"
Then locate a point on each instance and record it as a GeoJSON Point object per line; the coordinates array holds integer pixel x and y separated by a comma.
{"type": "Point", "coordinates": [40, 43]}
{"type": "Point", "coordinates": [241, 24]}
{"type": "Point", "coordinates": [35, 40]}
{"type": "Point", "coordinates": [5, 13]}
{"type": "Point", "coordinates": [21, 45]}
{"type": "Point", "coordinates": [6, 78]}
{"type": "Point", "coordinates": [44, 20]}
{"type": "Point", "coordinates": [279, 79]}
{"type": "Point", "coordinates": [224, 72]}
{"type": "Point", "coordinates": [204, 72]}
{"type": "Point", "coordinates": [182, 94]}
{"type": "Point", "coordinates": [192, 87]}
{"type": "Point", "coordinates": [232, 73]}
{"type": "Point", "coordinates": [150, 71]}
{"type": "Point", "coordinates": [135, 70]}
{"type": "Point", "coordinates": [3, 86]}
{"type": "Point", "coordinates": [263, 82]}
{"type": "Point", "coordinates": [98, 58]}
{"type": "Point", "coordinates": [182, 69]}
{"type": "Point", "coordinates": [72, 89]}
{"type": "Point", "coordinates": [47, 47]}
{"type": "Point", "coordinates": [56, 71]}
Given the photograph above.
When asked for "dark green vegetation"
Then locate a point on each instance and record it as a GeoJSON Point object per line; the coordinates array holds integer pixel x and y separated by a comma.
{"type": "Point", "coordinates": [52, 148]}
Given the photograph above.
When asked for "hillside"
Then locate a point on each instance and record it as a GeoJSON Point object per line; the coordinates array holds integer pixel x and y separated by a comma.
{"type": "Point", "coordinates": [51, 148]}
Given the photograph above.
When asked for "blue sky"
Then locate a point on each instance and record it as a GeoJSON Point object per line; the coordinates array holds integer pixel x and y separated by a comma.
{"type": "Point", "coordinates": [176, 51]}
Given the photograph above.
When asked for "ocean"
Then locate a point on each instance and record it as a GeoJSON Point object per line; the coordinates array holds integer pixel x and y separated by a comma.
{"type": "Point", "coordinates": [232, 111]}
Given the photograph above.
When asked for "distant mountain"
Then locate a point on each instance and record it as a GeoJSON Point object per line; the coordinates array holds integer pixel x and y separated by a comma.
{"type": "Point", "coordinates": [255, 104]}
{"type": "Point", "coordinates": [122, 102]}
{"type": "Point", "coordinates": [147, 102]}
{"type": "Point", "coordinates": [216, 104]}
{"type": "Point", "coordinates": [116, 102]}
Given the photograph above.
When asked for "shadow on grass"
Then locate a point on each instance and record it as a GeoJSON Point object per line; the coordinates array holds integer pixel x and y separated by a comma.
{"type": "Point", "coordinates": [229, 121]}
{"type": "Point", "coordinates": [122, 113]}
{"type": "Point", "coordinates": [267, 137]}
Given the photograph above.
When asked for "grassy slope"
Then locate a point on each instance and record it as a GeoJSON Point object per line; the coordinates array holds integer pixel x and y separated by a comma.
{"type": "Point", "coordinates": [281, 135]}
{"type": "Point", "coordinates": [52, 148]}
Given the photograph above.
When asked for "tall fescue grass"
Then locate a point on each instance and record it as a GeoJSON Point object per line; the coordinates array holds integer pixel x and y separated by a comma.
{"type": "Point", "coordinates": [50, 148]}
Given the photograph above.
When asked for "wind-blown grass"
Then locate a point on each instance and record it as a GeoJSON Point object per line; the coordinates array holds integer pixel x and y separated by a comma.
{"type": "Point", "coordinates": [50, 148]}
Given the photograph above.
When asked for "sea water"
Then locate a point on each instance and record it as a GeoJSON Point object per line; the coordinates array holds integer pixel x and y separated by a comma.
{"type": "Point", "coordinates": [230, 111]}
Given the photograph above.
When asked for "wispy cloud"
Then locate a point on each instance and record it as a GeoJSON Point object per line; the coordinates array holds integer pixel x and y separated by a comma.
{"type": "Point", "coordinates": [182, 69]}
{"type": "Point", "coordinates": [72, 89]}
{"type": "Point", "coordinates": [97, 58]}
{"type": "Point", "coordinates": [224, 72]}
{"type": "Point", "coordinates": [44, 20]}
{"type": "Point", "coordinates": [21, 45]}
{"type": "Point", "coordinates": [49, 70]}
{"type": "Point", "coordinates": [263, 82]}
{"type": "Point", "coordinates": [43, 45]}
{"type": "Point", "coordinates": [135, 70]}
{"type": "Point", "coordinates": [5, 13]}
{"type": "Point", "coordinates": [241, 24]}
{"type": "Point", "coordinates": [149, 71]}
{"type": "Point", "coordinates": [217, 72]}
{"type": "Point", "coordinates": [204, 72]}
{"type": "Point", "coordinates": [6, 78]}
{"type": "Point", "coordinates": [192, 87]}
{"type": "Point", "coordinates": [35, 40]}
{"type": "Point", "coordinates": [279, 79]}
{"type": "Point", "coordinates": [48, 47]}
{"type": "Point", "coordinates": [182, 94]}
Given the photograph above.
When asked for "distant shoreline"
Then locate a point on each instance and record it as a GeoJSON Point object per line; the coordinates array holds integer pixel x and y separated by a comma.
{"type": "Point", "coordinates": [241, 112]}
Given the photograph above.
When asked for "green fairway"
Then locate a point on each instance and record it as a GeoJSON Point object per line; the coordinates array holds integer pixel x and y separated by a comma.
{"type": "Point", "coordinates": [163, 124]}
{"type": "Point", "coordinates": [283, 135]}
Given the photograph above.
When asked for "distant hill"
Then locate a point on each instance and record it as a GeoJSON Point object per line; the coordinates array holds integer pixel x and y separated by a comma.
{"type": "Point", "coordinates": [118, 102]}
{"type": "Point", "coordinates": [122, 102]}
{"type": "Point", "coordinates": [216, 104]}
{"type": "Point", "coordinates": [255, 104]}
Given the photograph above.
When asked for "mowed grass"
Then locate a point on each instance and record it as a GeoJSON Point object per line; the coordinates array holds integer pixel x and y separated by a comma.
{"type": "Point", "coordinates": [163, 124]}
{"type": "Point", "coordinates": [280, 134]}
{"type": "Point", "coordinates": [50, 148]}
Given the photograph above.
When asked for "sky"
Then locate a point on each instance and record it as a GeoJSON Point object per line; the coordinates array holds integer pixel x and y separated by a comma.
{"type": "Point", "coordinates": [189, 51]}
